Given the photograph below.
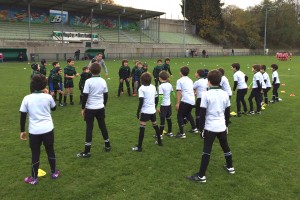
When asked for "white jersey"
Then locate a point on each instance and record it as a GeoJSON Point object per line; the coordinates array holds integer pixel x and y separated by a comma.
{"type": "Point", "coordinates": [95, 87]}
{"type": "Point", "coordinates": [38, 106]}
{"type": "Point", "coordinates": [258, 77]}
{"type": "Point", "coordinates": [225, 85]}
{"type": "Point", "coordinates": [215, 101]}
{"type": "Point", "coordinates": [275, 75]}
{"type": "Point", "coordinates": [267, 79]}
{"type": "Point", "coordinates": [240, 78]}
{"type": "Point", "coordinates": [148, 93]}
{"type": "Point", "coordinates": [200, 86]}
{"type": "Point", "coordinates": [263, 84]}
{"type": "Point", "coordinates": [165, 89]}
{"type": "Point", "coordinates": [185, 85]}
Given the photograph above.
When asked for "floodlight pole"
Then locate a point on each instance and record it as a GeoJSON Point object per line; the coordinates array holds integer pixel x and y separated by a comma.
{"type": "Point", "coordinates": [92, 10]}
{"type": "Point", "coordinates": [184, 2]}
{"type": "Point", "coordinates": [265, 37]}
{"type": "Point", "coordinates": [62, 25]}
{"type": "Point", "coordinates": [101, 5]}
{"type": "Point", "coordinates": [298, 11]}
{"type": "Point", "coordinates": [29, 21]}
{"type": "Point", "coordinates": [141, 28]}
{"type": "Point", "coordinates": [158, 32]}
{"type": "Point", "coordinates": [119, 21]}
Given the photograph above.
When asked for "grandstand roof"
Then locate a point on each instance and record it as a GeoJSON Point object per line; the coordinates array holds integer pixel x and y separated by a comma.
{"type": "Point", "coordinates": [84, 6]}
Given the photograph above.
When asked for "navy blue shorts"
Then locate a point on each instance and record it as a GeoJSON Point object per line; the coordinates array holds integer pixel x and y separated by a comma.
{"type": "Point", "coordinates": [37, 140]}
{"type": "Point", "coordinates": [165, 111]}
{"type": "Point", "coordinates": [148, 117]}
{"type": "Point", "coordinates": [69, 84]}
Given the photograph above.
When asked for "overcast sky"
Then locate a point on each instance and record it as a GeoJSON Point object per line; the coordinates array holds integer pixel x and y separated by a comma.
{"type": "Point", "coordinates": [172, 7]}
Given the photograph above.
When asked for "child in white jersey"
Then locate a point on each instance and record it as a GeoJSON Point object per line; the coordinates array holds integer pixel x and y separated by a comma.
{"type": "Point", "coordinates": [225, 83]}
{"type": "Point", "coordinates": [256, 91]}
{"type": "Point", "coordinates": [41, 129]}
{"type": "Point", "coordinates": [275, 83]}
{"type": "Point", "coordinates": [267, 83]}
{"type": "Point", "coordinates": [94, 99]}
{"type": "Point", "coordinates": [240, 80]}
{"type": "Point", "coordinates": [200, 87]}
{"type": "Point", "coordinates": [214, 120]}
{"type": "Point", "coordinates": [165, 90]}
{"type": "Point", "coordinates": [185, 99]}
{"type": "Point", "coordinates": [146, 111]}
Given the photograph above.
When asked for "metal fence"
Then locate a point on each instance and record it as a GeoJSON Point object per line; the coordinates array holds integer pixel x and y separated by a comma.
{"type": "Point", "coordinates": [36, 57]}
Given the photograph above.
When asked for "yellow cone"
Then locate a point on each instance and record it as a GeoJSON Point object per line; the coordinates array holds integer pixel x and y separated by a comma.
{"type": "Point", "coordinates": [41, 173]}
{"type": "Point", "coordinates": [164, 132]}
{"type": "Point", "coordinates": [233, 113]}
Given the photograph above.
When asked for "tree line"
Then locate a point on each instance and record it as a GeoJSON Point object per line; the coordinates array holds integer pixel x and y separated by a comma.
{"type": "Point", "coordinates": [232, 27]}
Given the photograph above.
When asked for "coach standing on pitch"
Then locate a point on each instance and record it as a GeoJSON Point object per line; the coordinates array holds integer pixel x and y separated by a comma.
{"type": "Point", "coordinates": [99, 59]}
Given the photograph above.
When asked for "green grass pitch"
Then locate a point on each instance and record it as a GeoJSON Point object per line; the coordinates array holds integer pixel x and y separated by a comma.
{"type": "Point", "coordinates": [265, 148]}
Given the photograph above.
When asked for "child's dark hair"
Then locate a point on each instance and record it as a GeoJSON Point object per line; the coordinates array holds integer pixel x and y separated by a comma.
{"type": "Point", "coordinates": [38, 82]}
{"type": "Point", "coordinates": [58, 69]}
{"type": "Point", "coordinates": [159, 60]}
{"type": "Point", "coordinates": [164, 75]}
{"type": "Point", "coordinates": [167, 59]}
{"type": "Point", "coordinates": [206, 72]}
{"type": "Point", "coordinates": [185, 71]}
{"type": "Point", "coordinates": [146, 79]}
{"type": "Point", "coordinates": [95, 69]}
{"type": "Point", "coordinates": [222, 71]}
{"type": "Point", "coordinates": [214, 77]}
{"type": "Point", "coordinates": [100, 53]}
{"type": "Point", "coordinates": [256, 67]}
{"type": "Point", "coordinates": [43, 61]}
{"type": "Point", "coordinates": [54, 63]}
{"type": "Point", "coordinates": [145, 65]}
{"type": "Point", "coordinates": [201, 73]}
{"type": "Point", "coordinates": [274, 66]}
{"type": "Point", "coordinates": [70, 60]}
{"type": "Point", "coordinates": [236, 66]}
{"type": "Point", "coordinates": [263, 67]}
{"type": "Point", "coordinates": [124, 61]}
{"type": "Point", "coordinates": [84, 68]}
{"type": "Point", "coordinates": [35, 66]}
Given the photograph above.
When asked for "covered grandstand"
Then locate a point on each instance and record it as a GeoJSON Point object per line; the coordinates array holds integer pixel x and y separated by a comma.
{"type": "Point", "coordinates": [83, 16]}
{"type": "Point", "coordinates": [90, 24]}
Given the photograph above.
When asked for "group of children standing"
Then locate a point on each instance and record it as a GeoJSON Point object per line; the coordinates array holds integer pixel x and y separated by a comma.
{"type": "Point", "coordinates": [39, 103]}
{"type": "Point", "coordinates": [126, 74]}
{"type": "Point", "coordinates": [260, 86]}
{"type": "Point", "coordinates": [60, 79]}
{"type": "Point", "coordinates": [212, 116]}
{"type": "Point", "coordinates": [212, 105]}
{"type": "Point", "coordinates": [213, 94]}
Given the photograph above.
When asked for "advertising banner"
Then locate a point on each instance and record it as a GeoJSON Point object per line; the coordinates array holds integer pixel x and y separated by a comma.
{"type": "Point", "coordinates": [56, 16]}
